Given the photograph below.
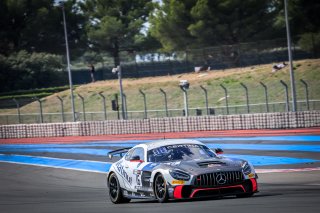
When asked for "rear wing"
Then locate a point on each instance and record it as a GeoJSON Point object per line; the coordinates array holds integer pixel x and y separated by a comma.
{"type": "Point", "coordinates": [120, 152]}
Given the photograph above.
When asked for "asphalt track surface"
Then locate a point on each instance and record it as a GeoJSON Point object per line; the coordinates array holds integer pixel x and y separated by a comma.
{"type": "Point", "coordinates": [290, 185]}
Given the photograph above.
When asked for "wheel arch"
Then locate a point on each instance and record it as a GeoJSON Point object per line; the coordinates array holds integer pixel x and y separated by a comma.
{"type": "Point", "coordinates": [108, 176]}
{"type": "Point", "coordinates": [154, 178]}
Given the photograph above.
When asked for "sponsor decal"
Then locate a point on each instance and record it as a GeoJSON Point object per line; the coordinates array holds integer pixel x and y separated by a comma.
{"type": "Point", "coordinates": [182, 146]}
{"type": "Point", "coordinates": [165, 150]}
{"type": "Point", "coordinates": [160, 151]}
{"type": "Point", "coordinates": [123, 173]}
{"type": "Point", "coordinates": [175, 163]}
{"type": "Point", "coordinates": [142, 195]}
{"type": "Point", "coordinates": [178, 182]}
{"type": "Point", "coordinates": [251, 175]}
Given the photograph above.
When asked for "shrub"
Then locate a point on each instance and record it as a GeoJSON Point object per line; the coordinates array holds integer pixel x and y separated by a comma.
{"type": "Point", "coordinates": [310, 42]}
{"type": "Point", "coordinates": [23, 70]}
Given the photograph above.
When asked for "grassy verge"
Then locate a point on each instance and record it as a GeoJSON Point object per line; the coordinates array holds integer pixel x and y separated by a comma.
{"type": "Point", "coordinates": [308, 70]}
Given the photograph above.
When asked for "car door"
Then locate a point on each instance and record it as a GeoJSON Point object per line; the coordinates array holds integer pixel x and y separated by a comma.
{"type": "Point", "coordinates": [133, 163]}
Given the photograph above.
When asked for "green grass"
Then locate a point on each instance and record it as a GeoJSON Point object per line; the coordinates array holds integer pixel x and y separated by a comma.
{"type": "Point", "coordinates": [34, 91]}
{"type": "Point", "coordinates": [28, 95]}
{"type": "Point", "coordinates": [308, 70]}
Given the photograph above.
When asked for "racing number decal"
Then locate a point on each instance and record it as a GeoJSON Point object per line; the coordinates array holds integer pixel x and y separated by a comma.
{"type": "Point", "coordinates": [138, 173]}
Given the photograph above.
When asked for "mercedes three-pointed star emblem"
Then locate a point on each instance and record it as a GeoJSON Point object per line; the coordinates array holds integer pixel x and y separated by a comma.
{"type": "Point", "coordinates": [221, 178]}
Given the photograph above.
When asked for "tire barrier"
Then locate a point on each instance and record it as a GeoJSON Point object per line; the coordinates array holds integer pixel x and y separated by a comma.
{"type": "Point", "coordinates": [278, 120]}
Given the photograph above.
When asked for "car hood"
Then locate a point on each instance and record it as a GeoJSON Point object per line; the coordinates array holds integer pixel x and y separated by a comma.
{"type": "Point", "coordinates": [196, 167]}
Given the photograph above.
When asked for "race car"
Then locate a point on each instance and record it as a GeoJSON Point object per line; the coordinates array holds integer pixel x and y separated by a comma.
{"type": "Point", "coordinates": [177, 169]}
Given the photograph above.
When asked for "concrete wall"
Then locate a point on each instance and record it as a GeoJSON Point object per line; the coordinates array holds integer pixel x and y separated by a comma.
{"type": "Point", "coordinates": [175, 124]}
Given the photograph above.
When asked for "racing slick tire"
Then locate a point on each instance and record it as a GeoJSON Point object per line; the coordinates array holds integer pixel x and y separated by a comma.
{"type": "Point", "coordinates": [245, 195]}
{"type": "Point", "coordinates": [161, 189]}
{"type": "Point", "coordinates": [115, 192]}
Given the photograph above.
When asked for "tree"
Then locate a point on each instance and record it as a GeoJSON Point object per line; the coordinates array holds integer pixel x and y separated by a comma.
{"type": "Point", "coordinates": [115, 25]}
{"type": "Point", "coordinates": [23, 70]}
{"type": "Point", "coordinates": [303, 16]}
{"type": "Point", "coordinates": [231, 21]}
{"type": "Point", "coordinates": [170, 22]}
{"type": "Point", "coordinates": [179, 24]}
{"type": "Point", "coordinates": [304, 20]}
{"type": "Point", "coordinates": [36, 26]}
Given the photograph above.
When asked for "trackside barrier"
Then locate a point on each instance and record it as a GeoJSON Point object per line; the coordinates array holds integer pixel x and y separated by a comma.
{"type": "Point", "coordinates": [279, 120]}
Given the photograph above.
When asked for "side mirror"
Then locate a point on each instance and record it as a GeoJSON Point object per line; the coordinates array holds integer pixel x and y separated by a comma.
{"type": "Point", "coordinates": [218, 151]}
{"type": "Point", "coordinates": [135, 158]}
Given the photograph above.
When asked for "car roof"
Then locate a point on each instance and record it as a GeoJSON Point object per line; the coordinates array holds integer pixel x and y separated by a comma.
{"type": "Point", "coordinates": [166, 142]}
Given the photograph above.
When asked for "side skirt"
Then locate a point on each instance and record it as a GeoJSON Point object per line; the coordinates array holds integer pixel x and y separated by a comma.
{"type": "Point", "coordinates": [137, 195]}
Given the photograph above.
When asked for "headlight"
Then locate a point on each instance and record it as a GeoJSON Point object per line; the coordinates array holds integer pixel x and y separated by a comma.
{"type": "Point", "coordinates": [247, 168]}
{"type": "Point", "coordinates": [179, 175]}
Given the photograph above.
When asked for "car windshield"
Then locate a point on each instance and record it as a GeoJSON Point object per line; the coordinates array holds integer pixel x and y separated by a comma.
{"type": "Point", "coordinates": [179, 152]}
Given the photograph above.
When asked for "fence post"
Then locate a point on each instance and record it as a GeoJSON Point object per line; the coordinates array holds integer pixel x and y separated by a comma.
{"type": "Point", "coordinates": [62, 109]}
{"type": "Point", "coordinates": [18, 109]}
{"type": "Point", "coordinates": [225, 97]}
{"type": "Point", "coordinates": [165, 101]}
{"type": "Point", "coordinates": [206, 98]}
{"type": "Point", "coordinates": [287, 97]}
{"type": "Point", "coordinates": [104, 105]}
{"type": "Point", "coordinates": [40, 108]}
{"type": "Point", "coordinates": [185, 98]}
{"type": "Point", "coordinates": [266, 95]}
{"type": "Point", "coordinates": [306, 92]}
{"type": "Point", "coordinates": [125, 106]}
{"type": "Point", "coordinates": [186, 107]}
{"type": "Point", "coordinates": [144, 103]}
{"type": "Point", "coordinates": [247, 96]}
{"type": "Point", "coordinates": [116, 105]}
{"type": "Point", "coordinates": [83, 107]}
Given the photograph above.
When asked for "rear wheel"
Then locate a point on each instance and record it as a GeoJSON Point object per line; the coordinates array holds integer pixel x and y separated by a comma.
{"type": "Point", "coordinates": [160, 189]}
{"type": "Point", "coordinates": [115, 190]}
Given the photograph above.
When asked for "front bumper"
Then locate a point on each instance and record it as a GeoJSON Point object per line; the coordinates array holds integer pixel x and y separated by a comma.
{"type": "Point", "coordinates": [189, 191]}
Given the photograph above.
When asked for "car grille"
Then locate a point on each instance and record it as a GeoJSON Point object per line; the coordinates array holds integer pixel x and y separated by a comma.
{"type": "Point", "coordinates": [219, 179]}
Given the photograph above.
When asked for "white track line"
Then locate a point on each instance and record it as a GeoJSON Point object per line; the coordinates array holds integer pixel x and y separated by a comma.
{"type": "Point", "coordinates": [261, 171]}
{"type": "Point", "coordinates": [287, 170]}
{"type": "Point", "coordinates": [55, 167]}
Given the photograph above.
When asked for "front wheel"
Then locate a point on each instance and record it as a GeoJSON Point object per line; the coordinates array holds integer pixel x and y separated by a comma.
{"type": "Point", "coordinates": [115, 190]}
{"type": "Point", "coordinates": [160, 189]}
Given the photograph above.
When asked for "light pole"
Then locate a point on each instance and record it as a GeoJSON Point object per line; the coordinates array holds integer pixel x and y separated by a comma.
{"type": "Point", "coordinates": [118, 71]}
{"type": "Point", "coordinates": [292, 82]}
{"type": "Point", "coordinates": [68, 60]}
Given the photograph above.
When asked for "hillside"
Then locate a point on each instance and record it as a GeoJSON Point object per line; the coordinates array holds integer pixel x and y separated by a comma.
{"type": "Point", "coordinates": [308, 70]}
